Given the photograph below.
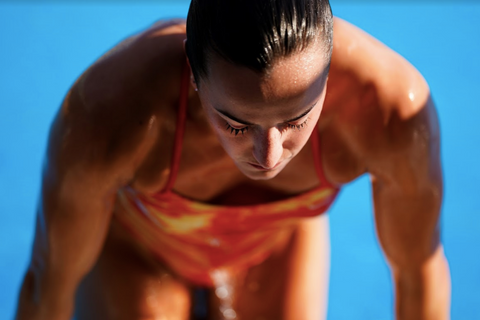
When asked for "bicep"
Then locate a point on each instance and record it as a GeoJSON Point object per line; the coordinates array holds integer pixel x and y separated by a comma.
{"type": "Point", "coordinates": [77, 196]}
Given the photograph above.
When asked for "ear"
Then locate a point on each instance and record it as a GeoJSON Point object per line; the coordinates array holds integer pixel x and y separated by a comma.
{"type": "Point", "coordinates": [193, 83]}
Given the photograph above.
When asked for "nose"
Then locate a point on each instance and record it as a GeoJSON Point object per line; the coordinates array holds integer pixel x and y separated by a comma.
{"type": "Point", "coordinates": [268, 147]}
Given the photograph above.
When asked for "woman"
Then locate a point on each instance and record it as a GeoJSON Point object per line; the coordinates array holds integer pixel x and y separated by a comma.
{"type": "Point", "coordinates": [210, 163]}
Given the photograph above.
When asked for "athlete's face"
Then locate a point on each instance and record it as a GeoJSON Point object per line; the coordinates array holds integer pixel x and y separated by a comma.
{"type": "Point", "coordinates": [263, 121]}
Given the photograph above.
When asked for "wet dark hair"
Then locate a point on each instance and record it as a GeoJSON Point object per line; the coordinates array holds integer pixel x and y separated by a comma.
{"type": "Point", "coordinates": [254, 33]}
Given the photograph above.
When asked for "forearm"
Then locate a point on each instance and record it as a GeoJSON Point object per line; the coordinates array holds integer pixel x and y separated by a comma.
{"type": "Point", "coordinates": [69, 235]}
{"type": "Point", "coordinates": [424, 293]}
{"type": "Point", "coordinates": [45, 299]}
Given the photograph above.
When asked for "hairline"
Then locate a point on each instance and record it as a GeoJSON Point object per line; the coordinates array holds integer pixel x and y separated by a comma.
{"type": "Point", "coordinates": [211, 54]}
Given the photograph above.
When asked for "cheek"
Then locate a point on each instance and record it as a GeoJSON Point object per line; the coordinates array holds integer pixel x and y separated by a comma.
{"type": "Point", "coordinates": [295, 142]}
{"type": "Point", "coordinates": [233, 145]}
{"type": "Point", "coordinates": [296, 139]}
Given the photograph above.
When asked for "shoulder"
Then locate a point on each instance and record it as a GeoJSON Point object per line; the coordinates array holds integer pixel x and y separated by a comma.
{"type": "Point", "coordinates": [113, 111]}
{"type": "Point", "coordinates": [373, 65]}
{"type": "Point", "coordinates": [379, 98]}
{"type": "Point", "coordinates": [145, 64]}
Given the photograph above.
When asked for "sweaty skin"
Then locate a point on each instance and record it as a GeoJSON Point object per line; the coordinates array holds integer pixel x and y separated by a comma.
{"type": "Point", "coordinates": [116, 128]}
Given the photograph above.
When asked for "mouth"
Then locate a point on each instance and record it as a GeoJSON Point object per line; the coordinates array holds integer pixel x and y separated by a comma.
{"type": "Point", "coordinates": [261, 168]}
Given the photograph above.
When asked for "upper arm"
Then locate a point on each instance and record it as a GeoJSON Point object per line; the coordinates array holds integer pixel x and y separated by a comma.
{"type": "Point", "coordinates": [406, 176]}
{"type": "Point", "coordinates": [91, 153]}
{"type": "Point", "coordinates": [392, 129]}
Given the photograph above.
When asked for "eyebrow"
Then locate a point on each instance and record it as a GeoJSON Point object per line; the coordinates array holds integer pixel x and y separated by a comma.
{"type": "Point", "coordinates": [226, 114]}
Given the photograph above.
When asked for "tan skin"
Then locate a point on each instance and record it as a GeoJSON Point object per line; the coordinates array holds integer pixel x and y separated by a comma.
{"type": "Point", "coordinates": [115, 128]}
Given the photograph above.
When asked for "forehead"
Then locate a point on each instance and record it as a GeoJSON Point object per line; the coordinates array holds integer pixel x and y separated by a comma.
{"type": "Point", "coordinates": [291, 85]}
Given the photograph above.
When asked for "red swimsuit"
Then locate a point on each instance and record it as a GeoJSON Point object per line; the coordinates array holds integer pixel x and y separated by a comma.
{"type": "Point", "coordinates": [197, 239]}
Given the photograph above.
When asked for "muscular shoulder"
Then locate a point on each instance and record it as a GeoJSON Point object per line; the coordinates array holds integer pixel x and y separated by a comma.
{"type": "Point", "coordinates": [114, 109]}
{"type": "Point", "coordinates": [140, 70]}
{"type": "Point", "coordinates": [372, 65]}
{"type": "Point", "coordinates": [379, 99]}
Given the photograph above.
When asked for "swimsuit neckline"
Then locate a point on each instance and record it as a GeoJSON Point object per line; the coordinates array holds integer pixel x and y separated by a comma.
{"type": "Point", "coordinates": [203, 204]}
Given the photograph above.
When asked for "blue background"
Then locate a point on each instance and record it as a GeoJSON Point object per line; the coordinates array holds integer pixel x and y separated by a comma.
{"type": "Point", "coordinates": [45, 47]}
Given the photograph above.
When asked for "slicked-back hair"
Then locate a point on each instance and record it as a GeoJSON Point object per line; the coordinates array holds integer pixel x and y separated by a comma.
{"type": "Point", "coordinates": [255, 33]}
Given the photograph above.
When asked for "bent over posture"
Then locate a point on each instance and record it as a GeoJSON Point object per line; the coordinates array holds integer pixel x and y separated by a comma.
{"type": "Point", "coordinates": [205, 156]}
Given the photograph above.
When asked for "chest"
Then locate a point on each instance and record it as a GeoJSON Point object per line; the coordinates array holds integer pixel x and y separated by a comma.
{"type": "Point", "coordinates": [206, 173]}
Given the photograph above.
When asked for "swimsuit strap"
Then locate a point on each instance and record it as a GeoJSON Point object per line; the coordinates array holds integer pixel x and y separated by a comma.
{"type": "Point", "coordinates": [317, 158]}
{"type": "Point", "coordinates": [180, 129]}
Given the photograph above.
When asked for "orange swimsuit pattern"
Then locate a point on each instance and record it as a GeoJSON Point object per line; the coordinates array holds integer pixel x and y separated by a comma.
{"type": "Point", "coordinates": [197, 239]}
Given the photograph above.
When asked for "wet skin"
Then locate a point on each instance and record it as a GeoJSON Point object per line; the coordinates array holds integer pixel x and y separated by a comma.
{"type": "Point", "coordinates": [375, 116]}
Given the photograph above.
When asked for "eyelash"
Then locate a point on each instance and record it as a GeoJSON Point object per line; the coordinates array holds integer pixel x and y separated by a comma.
{"type": "Point", "coordinates": [232, 130]}
{"type": "Point", "coordinates": [297, 126]}
{"type": "Point", "coordinates": [237, 131]}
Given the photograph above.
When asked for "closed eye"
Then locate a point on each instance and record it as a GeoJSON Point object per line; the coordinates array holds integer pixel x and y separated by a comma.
{"type": "Point", "coordinates": [298, 126]}
{"type": "Point", "coordinates": [236, 130]}
{"type": "Point", "coordinates": [243, 130]}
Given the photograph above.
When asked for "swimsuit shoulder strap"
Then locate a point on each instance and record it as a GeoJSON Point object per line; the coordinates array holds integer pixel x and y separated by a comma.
{"type": "Point", "coordinates": [179, 129]}
{"type": "Point", "coordinates": [317, 158]}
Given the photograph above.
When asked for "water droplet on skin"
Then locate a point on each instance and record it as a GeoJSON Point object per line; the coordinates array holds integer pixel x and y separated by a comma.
{"type": "Point", "coordinates": [221, 292]}
{"type": "Point", "coordinates": [411, 96]}
{"type": "Point", "coordinates": [229, 314]}
{"type": "Point", "coordinates": [151, 122]}
{"type": "Point", "coordinates": [224, 291]}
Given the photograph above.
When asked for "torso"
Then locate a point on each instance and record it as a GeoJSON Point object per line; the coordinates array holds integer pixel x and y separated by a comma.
{"type": "Point", "coordinates": [136, 109]}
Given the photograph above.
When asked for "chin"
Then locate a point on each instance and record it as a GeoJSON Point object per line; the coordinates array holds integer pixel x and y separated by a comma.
{"type": "Point", "coordinates": [260, 175]}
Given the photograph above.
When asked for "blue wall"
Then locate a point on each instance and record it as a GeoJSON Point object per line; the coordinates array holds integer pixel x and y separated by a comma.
{"type": "Point", "coordinates": [44, 47]}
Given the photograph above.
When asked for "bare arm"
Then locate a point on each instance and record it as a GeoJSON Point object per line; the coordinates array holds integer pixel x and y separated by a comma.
{"type": "Point", "coordinates": [85, 165]}
{"type": "Point", "coordinates": [389, 123]}
{"type": "Point", "coordinates": [407, 189]}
